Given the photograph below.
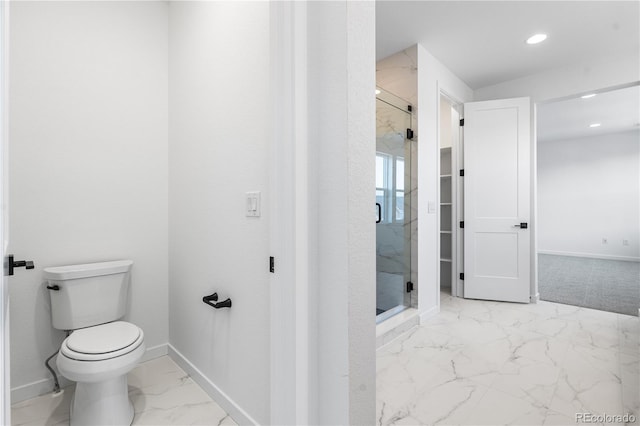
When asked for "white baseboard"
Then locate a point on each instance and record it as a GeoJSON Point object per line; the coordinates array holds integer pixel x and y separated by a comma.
{"type": "Point", "coordinates": [430, 313]}
{"type": "Point", "coordinates": [44, 386]}
{"type": "Point", "coordinates": [155, 352]}
{"type": "Point", "coordinates": [534, 298]}
{"type": "Point", "coordinates": [590, 255]}
{"type": "Point", "coordinates": [37, 388]}
{"type": "Point", "coordinates": [231, 407]}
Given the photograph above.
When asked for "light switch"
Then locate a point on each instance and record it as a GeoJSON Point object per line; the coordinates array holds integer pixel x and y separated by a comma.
{"type": "Point", "coordinates": [253, 204]}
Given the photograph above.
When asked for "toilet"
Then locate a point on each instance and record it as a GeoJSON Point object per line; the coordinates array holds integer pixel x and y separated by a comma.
{"type": "Point", "coordinates": [89, 300]}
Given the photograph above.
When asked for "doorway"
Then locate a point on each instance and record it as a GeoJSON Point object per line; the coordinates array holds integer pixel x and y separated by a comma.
{"type": "Point", "coordinates": [451, 196]}
{"type": "Point", "coordinates": [588, 200]}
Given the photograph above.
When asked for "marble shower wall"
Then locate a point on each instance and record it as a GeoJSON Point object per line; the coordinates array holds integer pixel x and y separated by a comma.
{"type": "Point", "coordinates": [398, 75]}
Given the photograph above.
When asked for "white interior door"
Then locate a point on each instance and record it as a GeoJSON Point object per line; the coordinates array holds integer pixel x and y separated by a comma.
{"type": "Point", "coordinates": [497, 138]}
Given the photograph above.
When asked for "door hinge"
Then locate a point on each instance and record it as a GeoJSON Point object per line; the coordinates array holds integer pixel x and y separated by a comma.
{"type": "Point", "coordinates": [409, 134]}
{"type": "Point", "coordinates": [462, 276]}
{"type": "Point", "coordinates": [409, 108]}
{"type": "Point", "coordinates": [461, 172]}
{"type": "Point", "coordinates": [462, 122]}
{"type": "Point", "coordinates": [462, 224]}
{"type": "Point", "coordinates": [409, 286]}
{"type": "Point", "coordinates": [272, 264]}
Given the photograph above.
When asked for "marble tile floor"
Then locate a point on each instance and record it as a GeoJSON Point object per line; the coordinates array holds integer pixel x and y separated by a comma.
{"type": "Point", "coordinates": [161, 392]}
{"type": "Point", "coordinates": [493, 363]}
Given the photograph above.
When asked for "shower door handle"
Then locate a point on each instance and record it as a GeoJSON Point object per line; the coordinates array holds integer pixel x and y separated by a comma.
{"type": "Point", "coordinates": [379, 207]}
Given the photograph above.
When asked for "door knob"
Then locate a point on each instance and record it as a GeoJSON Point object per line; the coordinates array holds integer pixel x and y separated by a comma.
{"type": "Point", "coordinates": [11, 264]}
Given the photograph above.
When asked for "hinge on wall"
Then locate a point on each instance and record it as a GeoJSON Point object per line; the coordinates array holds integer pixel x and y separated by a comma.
{"type": "Point", "coordinates": [409, 286]}
{"type": "Point", "coordinates": [409, 134]}
{"type": "Point", "coordinates": [272, 264]}
{"type": "Point", "coordinates": [462, 122]}
{"type": "Point", "coordinates": [462, 224]}
{"type": "Point", "coordinates": [461, 172]}
{"type": "Point", "coordinates": [462, 276]}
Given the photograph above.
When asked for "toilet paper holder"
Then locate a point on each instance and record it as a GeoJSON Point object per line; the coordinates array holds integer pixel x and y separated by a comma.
{"type": "Point", "coordinates": [209, 300]}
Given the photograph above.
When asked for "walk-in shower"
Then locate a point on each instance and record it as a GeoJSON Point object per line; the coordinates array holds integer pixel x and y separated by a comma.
{"type": "Point", "coordinates": [393, 204]}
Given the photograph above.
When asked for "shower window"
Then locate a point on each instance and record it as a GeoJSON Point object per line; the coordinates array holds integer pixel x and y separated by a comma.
{"type": "Point", "coordinates": [399, 193]}
{"type": "Point", "coordinates": [390, 187]}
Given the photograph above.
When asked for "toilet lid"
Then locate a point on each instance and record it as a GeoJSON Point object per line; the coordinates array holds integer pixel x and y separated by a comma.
{"type": "Point", "coordinates": [104, 338]}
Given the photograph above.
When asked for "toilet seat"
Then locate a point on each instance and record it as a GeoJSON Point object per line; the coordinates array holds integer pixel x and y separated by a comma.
{"type": "Point", "coordinates": [102, 342]}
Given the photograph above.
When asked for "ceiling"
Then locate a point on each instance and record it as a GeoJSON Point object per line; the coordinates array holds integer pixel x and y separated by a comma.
{"type": "Point", "coordinates": [616, 111]}
{"type": "Point", "coordinates": [483, 42]}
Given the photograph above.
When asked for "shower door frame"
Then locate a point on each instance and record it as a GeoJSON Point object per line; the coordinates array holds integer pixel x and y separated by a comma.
{"type": "Point", "coordinates": [408, 158]}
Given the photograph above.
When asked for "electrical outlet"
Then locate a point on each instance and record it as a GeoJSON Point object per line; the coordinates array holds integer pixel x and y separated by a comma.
{"type": "Point", "coordinates": [625, 242]}
{"type": "Point", "coordinates": [604, 241]}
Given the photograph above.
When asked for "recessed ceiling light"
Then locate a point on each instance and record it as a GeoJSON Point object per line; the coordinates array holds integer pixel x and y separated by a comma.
{"type": "Point", "coordinates": [377, 91]}
{"type": "Point", "coordinates": [537, 38]}
{"type": "Point", "coordinates": [590, 95]}
{"type": "Point", "coordinates": [595, 125]}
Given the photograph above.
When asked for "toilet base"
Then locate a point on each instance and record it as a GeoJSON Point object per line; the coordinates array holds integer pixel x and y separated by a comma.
{"type": "Point", "coordinates": [102, 403]}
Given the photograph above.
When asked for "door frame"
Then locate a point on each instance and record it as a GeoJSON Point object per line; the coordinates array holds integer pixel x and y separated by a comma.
{"type": "Point", "coordinates": [5, 380]}
{"type": "Point", "coordinates": [457, 285]}
{"type": "Point", "coordinates": [320, 298]}
{"type": "Point", "coordinates": [535, 294]}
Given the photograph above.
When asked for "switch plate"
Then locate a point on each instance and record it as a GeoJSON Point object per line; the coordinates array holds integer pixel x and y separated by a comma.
{"type": "Point", "coordinates": [253, 204]}
{"type": "Point", "coordinates": [431, 207]}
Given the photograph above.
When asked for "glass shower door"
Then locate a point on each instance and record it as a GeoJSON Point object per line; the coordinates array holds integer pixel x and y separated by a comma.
{"type": "Point", "coordinates": [393, 205]}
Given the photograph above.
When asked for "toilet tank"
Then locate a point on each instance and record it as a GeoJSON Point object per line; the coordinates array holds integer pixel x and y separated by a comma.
{"type": "Point", "coordinates": [89, 294]}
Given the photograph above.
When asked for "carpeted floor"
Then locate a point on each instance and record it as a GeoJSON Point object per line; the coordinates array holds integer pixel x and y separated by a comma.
{"type": "Point", "coordinates": [607, 285]}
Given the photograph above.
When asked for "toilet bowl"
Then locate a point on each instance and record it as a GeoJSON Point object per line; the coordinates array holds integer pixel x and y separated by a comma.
{"type": "Point", "coordinates": [98, 358]}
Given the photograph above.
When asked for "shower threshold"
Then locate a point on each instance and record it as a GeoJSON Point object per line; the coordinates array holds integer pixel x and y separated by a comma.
{"type": "Point", "coordinates": [390, 313]}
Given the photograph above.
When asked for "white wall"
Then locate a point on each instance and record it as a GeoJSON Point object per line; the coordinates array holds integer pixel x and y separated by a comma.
{"type": "Point", "coordinates": [567, 81]}
{"type": "Point", "coordinates": [88, 162]}
{"type": "Point", "coordinates": [433, 78]}
{"type": "Point", "coordinates": [323, 290]}
{"type": "Point", "coordinates": [588, 189]}
{"type": "Point", "coordinates": [341, 74]}
{"type": "Point", "coordinates": [219, 146]}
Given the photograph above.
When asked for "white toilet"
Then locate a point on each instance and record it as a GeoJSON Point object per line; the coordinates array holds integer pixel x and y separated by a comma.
{"type": "Point", "coordinates": [89, 299]}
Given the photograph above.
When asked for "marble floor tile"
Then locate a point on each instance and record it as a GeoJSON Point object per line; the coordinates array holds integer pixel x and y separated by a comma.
{"type": "Point", "coordinates": [43, 410]}
{"type": "Point", "coordinates": [491, 363]}
{"type": "Point", "coordinates": [528, 380]}
{"type": "Point", "coordinates": [161, 393]}
{"type": "Point", "coordinates": [556, 419]}
{"type": "Point", "coordinates": [499, 408]}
